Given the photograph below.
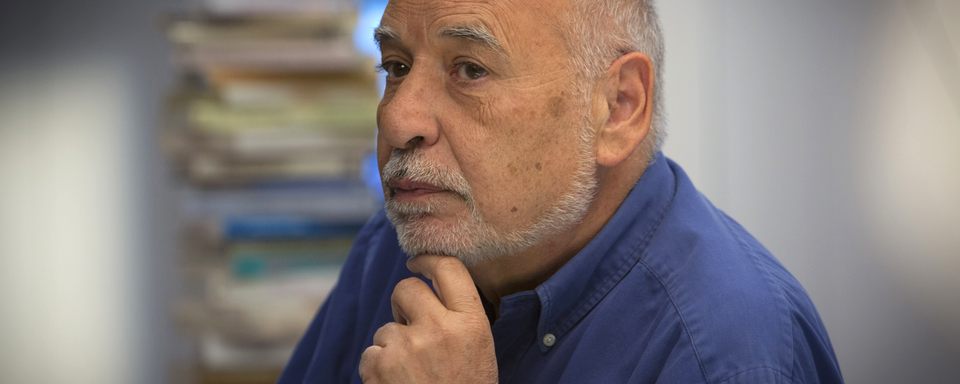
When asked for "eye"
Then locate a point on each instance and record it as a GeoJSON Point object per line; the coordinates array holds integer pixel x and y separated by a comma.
{"type": "Point", "coordinates": [395, 69]}
{"type": "Point", "coordinates": [471, 71]}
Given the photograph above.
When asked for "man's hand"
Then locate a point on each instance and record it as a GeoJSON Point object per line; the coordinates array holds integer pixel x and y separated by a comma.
{"type": "Point", "coordinates": [442, 338]}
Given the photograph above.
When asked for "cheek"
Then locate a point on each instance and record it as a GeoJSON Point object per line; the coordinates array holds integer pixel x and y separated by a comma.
{"type": "Point", "coordinates": [384, 151]}
{"type": "Point", "coordinates": [524, 170]}
{"type": "Point", "coordinates": [538, 134]}
{"type": "Point", "coordinates": [556, 106]}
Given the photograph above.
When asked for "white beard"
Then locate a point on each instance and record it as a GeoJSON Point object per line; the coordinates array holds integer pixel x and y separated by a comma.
{"type": "Point", "coordinates": [471, 239]}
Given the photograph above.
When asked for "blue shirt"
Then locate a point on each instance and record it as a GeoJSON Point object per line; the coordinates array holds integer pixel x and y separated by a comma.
{"type": "Point", "coordinates": [671, 290]}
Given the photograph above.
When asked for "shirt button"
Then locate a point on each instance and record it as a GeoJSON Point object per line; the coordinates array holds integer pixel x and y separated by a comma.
{"type": "Point", "coordinates": [549, 339]}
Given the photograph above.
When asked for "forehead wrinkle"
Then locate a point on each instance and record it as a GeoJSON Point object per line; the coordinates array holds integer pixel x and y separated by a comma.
{"type": "Point", "coordinates": [475, 32]}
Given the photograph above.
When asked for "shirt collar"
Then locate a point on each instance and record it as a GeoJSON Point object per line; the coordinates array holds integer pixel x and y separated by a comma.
{"type": "Point", "coordinates": [579, 285]}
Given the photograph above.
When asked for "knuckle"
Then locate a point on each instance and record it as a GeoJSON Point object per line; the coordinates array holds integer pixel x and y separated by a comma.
{"type": "Point", "coordinates": [388, 328]}
{"type": "Point", "coordinates": [374, 364]}
{"type": "Point", "coordinates": [406, 285]}
{"type": "Point", "coordinates": [417, 345]}
{"type": "Point", "coordinates": [383, 333]}
{"type": "Point", "coordinates": [367, 360]}
{"type": "Point", "coordinates": [370, 353]}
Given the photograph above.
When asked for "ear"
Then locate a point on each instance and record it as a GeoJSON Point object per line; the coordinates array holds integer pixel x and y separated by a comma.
{"type": "Point", "coordinates": [629, 96]}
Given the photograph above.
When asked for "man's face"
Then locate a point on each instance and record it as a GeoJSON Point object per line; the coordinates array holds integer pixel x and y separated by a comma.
{"type": "Point", "coordinates": [480, 139]}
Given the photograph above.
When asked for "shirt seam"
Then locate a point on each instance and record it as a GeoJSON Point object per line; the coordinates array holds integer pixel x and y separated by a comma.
{"type": "Point", "coordinates": [683, 321]}
{"type": "Point", "coordinates": [640, 261]}
{"type": "Point", "coordinates": [793, 338]}
{"type": "Point", "coordinates": [778, 288]}
{"type": "Point", "coordinates": [763, 368]}
{"type": "Point", "coordinates": [666, 290]}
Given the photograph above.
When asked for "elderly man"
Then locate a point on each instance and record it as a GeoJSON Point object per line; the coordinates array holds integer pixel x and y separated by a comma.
{"type": "Point", "coordinates": [518, 145]}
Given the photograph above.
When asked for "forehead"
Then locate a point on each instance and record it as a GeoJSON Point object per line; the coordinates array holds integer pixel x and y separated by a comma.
{"type": "Point", "coordinates": [514, 23]}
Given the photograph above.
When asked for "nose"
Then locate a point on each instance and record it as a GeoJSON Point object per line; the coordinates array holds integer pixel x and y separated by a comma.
{"type": "Point", "coordinates": [407, 115]}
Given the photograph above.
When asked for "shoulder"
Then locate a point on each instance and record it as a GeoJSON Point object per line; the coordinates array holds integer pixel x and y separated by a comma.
{"type": "Point", "coordinates": [743, 313]}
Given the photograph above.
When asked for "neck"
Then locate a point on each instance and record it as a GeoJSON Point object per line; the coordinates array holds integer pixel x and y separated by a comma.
{"type": "Point", "coordinates": [528, 269]}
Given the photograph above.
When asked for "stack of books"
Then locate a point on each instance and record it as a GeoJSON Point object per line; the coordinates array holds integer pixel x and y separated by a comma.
{"type": "Point", "coordinates": [268, 132]}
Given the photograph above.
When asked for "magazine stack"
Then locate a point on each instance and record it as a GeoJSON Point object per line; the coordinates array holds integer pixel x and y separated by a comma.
{"type": "Point", "coordinates": [268, 132]}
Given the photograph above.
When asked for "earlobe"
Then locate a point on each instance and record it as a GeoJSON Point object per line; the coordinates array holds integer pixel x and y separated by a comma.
{"type": "Point", "coordinates": [629, 97]}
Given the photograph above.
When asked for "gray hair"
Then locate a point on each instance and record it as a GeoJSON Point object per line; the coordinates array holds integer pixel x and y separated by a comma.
{"type": "Point", "coordinates": [602, 31]}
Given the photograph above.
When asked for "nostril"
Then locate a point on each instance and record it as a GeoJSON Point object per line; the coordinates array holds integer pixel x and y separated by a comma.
{"type": "Point", "coordinates": [414, 142]}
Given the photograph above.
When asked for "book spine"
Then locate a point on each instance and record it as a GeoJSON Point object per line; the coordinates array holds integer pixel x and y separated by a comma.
{"type": "Point", "coordinates": [284, 228]}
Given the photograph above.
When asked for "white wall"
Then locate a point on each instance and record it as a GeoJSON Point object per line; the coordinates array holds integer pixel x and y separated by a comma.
{"type": "Point", "coordinates": [824, 128]}
{"type": "Point", "coordinates": [65, 232]}
{"type": "Point", "coordinates": [86, 261]}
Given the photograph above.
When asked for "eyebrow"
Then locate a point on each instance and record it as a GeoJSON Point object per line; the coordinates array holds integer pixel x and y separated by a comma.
{"type": "Point", "coordinates": [382, 34]}
{"type": "Point", "coordinates": [476, 33]}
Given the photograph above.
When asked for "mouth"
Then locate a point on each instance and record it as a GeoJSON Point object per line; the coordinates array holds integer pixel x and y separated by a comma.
{"type": "Point", "coordinates": [403, 189]}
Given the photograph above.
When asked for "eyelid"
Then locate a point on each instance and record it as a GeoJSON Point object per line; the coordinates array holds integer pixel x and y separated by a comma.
{"type": "Point", "coordinates": [387, 65]}
{"type": "Point", "coordinates": [459, 64]}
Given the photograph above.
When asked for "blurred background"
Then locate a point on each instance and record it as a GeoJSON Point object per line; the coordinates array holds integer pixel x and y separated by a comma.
{"type": "Point", "coordinates": [179, 180]}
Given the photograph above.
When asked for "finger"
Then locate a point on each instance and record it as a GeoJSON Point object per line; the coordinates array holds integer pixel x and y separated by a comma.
{"type": "Point", "coordinates": [450, 277]}
{"type": "Point", "coordinates": [368, 363]}
{"type": "Point", "coordinates": [412, 300]}
{"type": "Point", "coordinates": [386, 335]}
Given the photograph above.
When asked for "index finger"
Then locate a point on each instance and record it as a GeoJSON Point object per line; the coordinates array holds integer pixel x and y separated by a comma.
{"type": "Point", "coordinates": [451, 280]}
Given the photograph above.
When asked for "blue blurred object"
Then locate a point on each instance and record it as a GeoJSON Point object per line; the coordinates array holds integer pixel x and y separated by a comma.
{"type": "Point", "coordinates": [255, 267]}
{"type": "Point", "coordinates": [370, 173]}
{"type": "Point", "coordinates": [368, 20]}
{"type": "Point", "coordinates": [285, 227]}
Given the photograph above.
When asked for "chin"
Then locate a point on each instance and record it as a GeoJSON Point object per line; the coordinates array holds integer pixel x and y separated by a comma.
{"type": "Point", "coordinates": [464, 239]}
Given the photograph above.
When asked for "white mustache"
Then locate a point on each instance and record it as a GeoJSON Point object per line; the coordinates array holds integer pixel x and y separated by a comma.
{"type": "Point", "coordinates": [412, 165]}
